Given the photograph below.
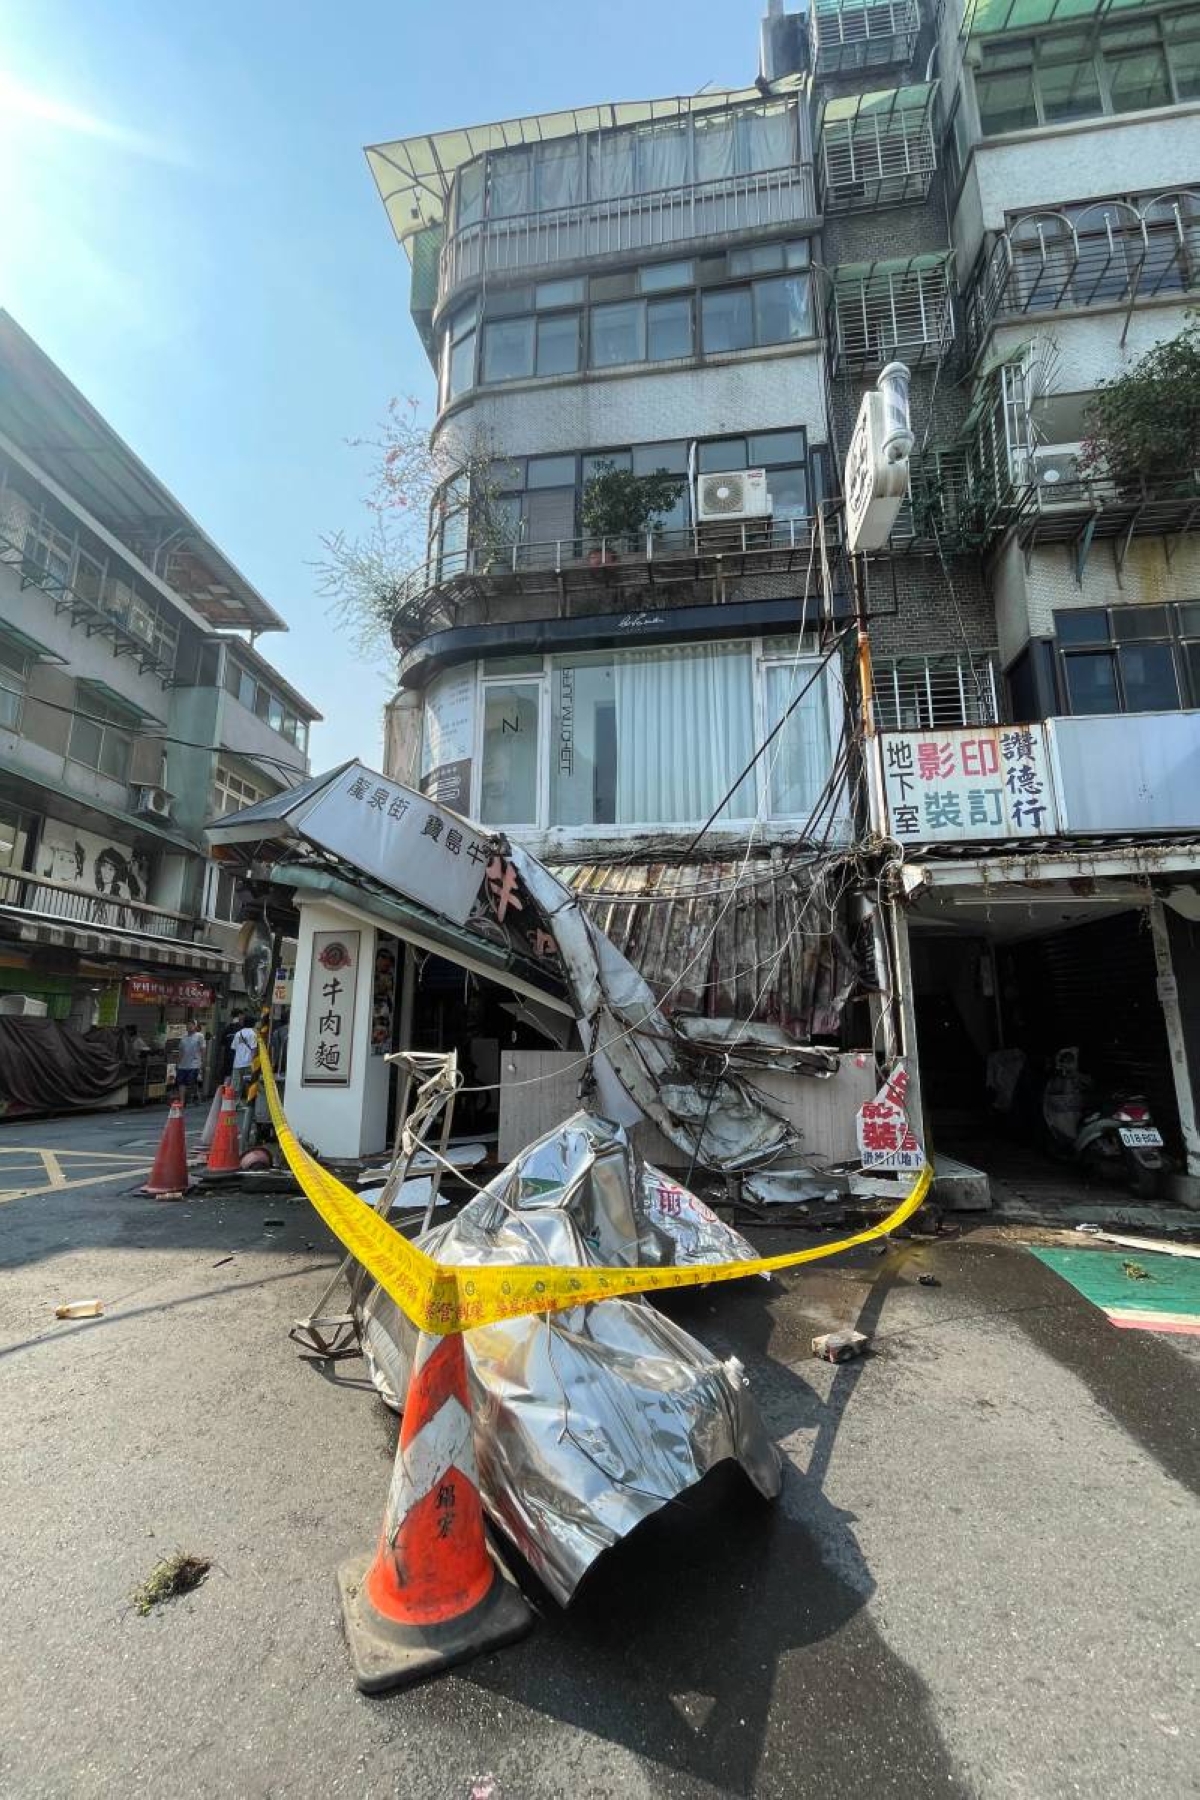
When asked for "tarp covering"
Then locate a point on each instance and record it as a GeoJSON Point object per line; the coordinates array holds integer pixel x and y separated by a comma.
{"type": "Point", "coordinates": [46, 1066]}
{"type": "Point", "coordinates": [588, 1420]}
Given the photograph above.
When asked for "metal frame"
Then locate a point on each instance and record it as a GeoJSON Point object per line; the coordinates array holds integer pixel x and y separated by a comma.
{"type": "Point", "coordinates": [881, 154]}
{"type": "Point", "coordinates": [862, 34]}
{"type": "Point", "coordinates": [882, 310]}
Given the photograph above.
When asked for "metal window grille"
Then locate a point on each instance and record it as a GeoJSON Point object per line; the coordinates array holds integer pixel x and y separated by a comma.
{"type": "Point", "coordinates": [881, 311]}
{"type": "Point", "coordinates": [924, 693]}
{"type": "Point", "coordinates": [883, 154]}
{"type": "Point", "coordinates": [862, 34]}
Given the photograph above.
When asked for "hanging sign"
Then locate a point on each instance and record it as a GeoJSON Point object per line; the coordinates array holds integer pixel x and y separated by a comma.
{"type": "Point", "coordinates": [157, 990]}
{"type": "Point", "coordinates": [329, 1022]}
{"type": "Point", "coordinates": [403, 838]}
{"type": "Point", "coordinates": [988, 781]}
{"type": "Point", "coordinates": [448, 735]}
{"type": "Point", "coordinates": [886, 1140]}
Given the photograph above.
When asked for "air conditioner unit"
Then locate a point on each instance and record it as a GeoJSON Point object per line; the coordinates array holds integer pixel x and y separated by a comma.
{"type": "Point", "coordinates": [1055, 474]}
{"type": "Point", "coordinates": [738, 494]}
{"type": "Point", "coordinates": [152, 802]}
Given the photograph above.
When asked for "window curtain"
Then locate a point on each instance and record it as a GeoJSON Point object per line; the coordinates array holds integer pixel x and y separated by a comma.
{"type": "Point", "coordinates": [511, 184]}
{"type": "Point", "coordinates": [766, 139]}
{"type": "Point", "coordinates": [685, 727]}
{"type": "Point", "coordinates": [560, 174]}
{"type": "Point", "coordinates": [470, 193]}
{"type": "Point", "coordinates": [716, 151]}
{"type": "Point", "coordinates": [662, 157]}
{"type": "Point", "coordinates": [610, 165]}
{"type": "Point", "coordinates": [799, 771]}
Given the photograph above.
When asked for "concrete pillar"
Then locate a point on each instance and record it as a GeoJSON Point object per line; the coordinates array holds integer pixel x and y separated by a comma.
{"type": "Point", "coordinates": [1169, 983]}
{"type": "Point", "coordinates": [349, 1118]}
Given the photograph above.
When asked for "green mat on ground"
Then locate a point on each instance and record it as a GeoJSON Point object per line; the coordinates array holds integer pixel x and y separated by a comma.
{"type": "Point", "coordinates": [1165, 1297]}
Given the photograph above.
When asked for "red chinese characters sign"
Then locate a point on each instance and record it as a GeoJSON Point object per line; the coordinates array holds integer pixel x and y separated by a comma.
{"type": "Point", "coordinates": [886, 1139]}
{"type": "Point", "coordinates": [157, 990]}
{"type": "Point", "coordinates": [988, 781]}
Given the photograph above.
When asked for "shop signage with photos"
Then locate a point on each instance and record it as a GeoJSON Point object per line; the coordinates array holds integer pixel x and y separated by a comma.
{"type": "Point", "coordinates": [984, 782]}
{"type": "Point", "coordinates": [158, 990]}
{"type": "Point", "coordinates": [404, 838]}
{"type": "Point", "coordinates": [383, 994]}
{"type": "Point", "coordinates": [329, 1025]}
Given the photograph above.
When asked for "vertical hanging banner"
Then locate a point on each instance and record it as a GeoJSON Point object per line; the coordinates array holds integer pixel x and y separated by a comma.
{"type": "Point", "coordinates": [329, 1021]}
{"type": "Point", "coordinates": [383, 993]}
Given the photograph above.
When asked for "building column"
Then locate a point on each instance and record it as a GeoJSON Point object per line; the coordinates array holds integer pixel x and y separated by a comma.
{"type": "Point", "coordinates": [337, 1102]}
{"type": "Point", "coordinates": [1174, 972]}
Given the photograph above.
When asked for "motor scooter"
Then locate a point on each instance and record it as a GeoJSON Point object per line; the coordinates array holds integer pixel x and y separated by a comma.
{"type": "Point", "coordinates": [1113, 1137]}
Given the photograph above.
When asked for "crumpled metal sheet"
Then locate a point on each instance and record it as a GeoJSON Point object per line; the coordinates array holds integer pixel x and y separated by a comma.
{"type": "Point", "coordinates": [585, 1421]}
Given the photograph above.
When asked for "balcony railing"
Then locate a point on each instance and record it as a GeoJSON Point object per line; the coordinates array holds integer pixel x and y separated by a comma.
{"type": "Point", "coordinates": [630, 223]}
{"type": "Point", "coordinates": [107, 612]}
{"type": "Point", "coordinates": [878, 149]}
{"type": "Point", "coordinates": [862, 34]}
{"type": "Point", "coordinates": [713, 551]}
{"type": "Point", "coordinates": [1108, 254]}
{"type": "Point", "coordinates": [882, 310]}
{"type": "Point", "coordinates": [63, 903]}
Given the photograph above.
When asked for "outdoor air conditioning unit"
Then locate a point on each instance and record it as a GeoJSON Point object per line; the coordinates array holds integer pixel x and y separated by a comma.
{"type": "Point", "coordinates": [152, 802]}
{"type": "Point", "coordinates": [738, 494]}
{"type": "Point", "coordinates": [1055, 474]}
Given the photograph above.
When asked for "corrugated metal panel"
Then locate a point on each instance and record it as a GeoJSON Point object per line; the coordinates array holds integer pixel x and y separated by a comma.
{"type": "Point", "coordinates": [726, 942]}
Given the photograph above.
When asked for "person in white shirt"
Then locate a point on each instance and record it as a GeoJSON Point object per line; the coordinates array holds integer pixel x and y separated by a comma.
{"type": "Point", "coordinates": [245, 1043]}
{"type": "Point", "coordinates": [189, 1063]}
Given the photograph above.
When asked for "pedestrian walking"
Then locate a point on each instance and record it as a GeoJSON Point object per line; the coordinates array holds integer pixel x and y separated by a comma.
{"type": "Point", "coordinates": [244, 1044]}
{"type": "Point", "coordinates": [189, 1063]}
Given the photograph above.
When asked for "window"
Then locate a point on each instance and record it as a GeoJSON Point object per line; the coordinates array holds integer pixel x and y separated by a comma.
{"type": "Point", "coordinates": [458, 351]}
{"type": "Point", "coordinates": [558, 344]}
{"type": "Point", "coordinates": [781, 310]}
{"type": "Point", "coordinates": [511, 713]}
{"type": "Point", "coordinates": [508, 349]}
{"type": "Point", "coordinates": [727, 316]}
{"type": "Point", "coordinates": [661, 276]}
{"type": "Point", "coordinates": [798, 760]}
{"type": "Point", "coordinates": [1068, 75]}
{"type": "Point", "coordinates": [618, 334]}
{"type": "Point", "coordinates": [1130, 658]}
{"type": "Point", "coordinates": [550, 294]}
{"type": "Point", "coordinates": [16, 834]}
{"type": "Point", "coordinates": [100, 737]}
{"type": "Point", "coordinates": [14, 676]}
{"type": "Point", "coordinates": [232, 792]}
{"type": "Point", "coordinates": [668, 329]}
{"type": "Point", "coordinates": [783, 454]}
{"type": "Point", "coordinates": [220, 895]}
{"type": "Point", "coordinates": [47, 554]}
{"type": "Point", "coordinates": [257, 698]}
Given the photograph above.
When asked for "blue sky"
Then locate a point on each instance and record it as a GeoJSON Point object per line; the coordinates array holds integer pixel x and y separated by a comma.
{"type": "Point", "coordinates": [196, 241]}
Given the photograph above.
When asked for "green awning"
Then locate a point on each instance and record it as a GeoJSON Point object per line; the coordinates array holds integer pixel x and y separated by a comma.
{"type": "Point", "coordinates": [854, 274]}
{"type": "Point", "coordinates": [29, 646]}
{"type": "Point", "coordinates": [118, 702]}
{"type": "Point", "coordinates": [882, 104]}
{"type": "Point", "coordinates": [987, 16]}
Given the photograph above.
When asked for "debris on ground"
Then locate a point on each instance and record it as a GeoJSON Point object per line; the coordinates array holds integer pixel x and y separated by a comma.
{"type": "Point", "coordinates": [928, 1281]}
{"type": "Point", "coordinates": [274, 1224]}
{"type": "Point", "coordinates": [80, 1309]}
{"type": "Point", "coordinates": [1135, 1271]}
{"type": "Point", "coordinates": [840, 1346]}
{"type": "Point", "coordinates": [221, 1261]}
{"type": "Point", "coordinates": [177, 1574]}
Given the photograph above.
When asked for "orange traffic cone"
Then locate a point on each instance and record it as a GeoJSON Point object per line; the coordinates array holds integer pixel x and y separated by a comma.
{"type": "Point", "coordinates": [226, 1152]}
{"type": "Point", "coordinates": [210, 1123]}
{"type": "Point", "coordinates": [169, 1176]}
{"type": "Point", "coordinates": [432, 1595]}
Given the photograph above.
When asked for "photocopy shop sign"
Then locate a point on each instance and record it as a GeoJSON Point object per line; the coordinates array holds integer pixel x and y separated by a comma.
{"type": "Point", "coordinates": [403, 838]}
{"type": "Point", "coordinates": [987, 781]}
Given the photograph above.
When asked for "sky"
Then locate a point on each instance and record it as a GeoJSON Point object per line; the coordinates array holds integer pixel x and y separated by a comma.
{"type": "Point", "coordinates": [189, 229]}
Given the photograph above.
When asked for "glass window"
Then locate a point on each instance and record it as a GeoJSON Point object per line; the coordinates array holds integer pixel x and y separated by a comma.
{"type": "Point", "coordinates": [507, 303]}
{"type": "Point", "coordinates": [275, 714]}
{"type": "Point", "coordinates": [14, 671]}
{"type": "Point", "coordinates": [509, 792]}
{"type": "Point", "coordinates": [1139, 622]}
{"type": "Point", "coordinates": [618, 334]}
{"type": "Point", "coordinates": [84, 743]}
{"type": "Point", "coordinates": [789, 493]}
{"type": "Point", "coordinates": [462, 366]}
{"type": "Point", "coordinates": [1183, 37]}
{"type": "Point", "coordinates": [558, 344]}
{"type": "Point", "coordinates": [114, 754]}
{"type": "Point", "coordinates": [1137, 79]}
{"type": "Point", "coordinates": [247, 690]}
{"type": "Point", "coordinates": [262, 702]}
{"type": "Point", "coordinates": [1006, 102]}
{"type": "Point", "coordinates": [511, 183]}
{"type": "Point", "coordinates": [767, 447]}
{"type": "Point", "coordinates": [559, 170]}
{"type": "Point", "coordinates": [797, 255]}
{"type": "Point", "coordinates": [721, 454]}
{"type": "Point", "coordinates": [551, 471]}
{"type": "Point", "coordinates": [508, 349]}
{"type": "Point", "coordinates": [760, 259]}
{"type": "Point", "coordinates": [1148, 678]}
{"type": "Point", "coordinates": [781, 310]}
{"type": "Point", "coordinates": [98, 739]}
{"type": "Point", "coordinates": [470, 192]}
{"type": "Point", "coordinates": [14, 838]}
{"type": "Point", "coordinates": [598, 462]}
{"type": "Point", "coordinates": [1091, 682]}
{"type": "Point", "coordinates": [1191, 660]}
{"type": "Point", "coordinates": [1087, 626]}
{"type": "Point", "coordinates": [658, 277]}
{"type": "Point", "coordinates": [1189, 618]}
{"type": "Point", "coordinates": [668, 329]}
{"type": "Point", "coordinates": [583, 741]}
{"type": "Point", "coordinates": [648, 459]}
{"type": "Point", "coordinates": [798, 760]}
{"type": "Point", "coordinates": [728, 319]}
{"type": "Point", "coordinates": [1070, 90]}
{"type": "Point", "coordinates": [558, 293]}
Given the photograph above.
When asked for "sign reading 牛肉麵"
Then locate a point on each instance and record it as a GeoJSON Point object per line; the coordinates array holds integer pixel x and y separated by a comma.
{"type": "Point", "coordinates": [985, 781]}
{"type": "Point", "coordinates": [329, 1021]}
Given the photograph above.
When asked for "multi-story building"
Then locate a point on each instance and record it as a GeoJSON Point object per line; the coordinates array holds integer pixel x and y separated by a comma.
{"type": "Point", "coordinates": [133, 707]}
{"type": "Point", "coordinates": [700, 288]}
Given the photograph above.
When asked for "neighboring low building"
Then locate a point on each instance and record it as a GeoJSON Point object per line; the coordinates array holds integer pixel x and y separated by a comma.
{"type": "Point", "coordinates": [133, 706]}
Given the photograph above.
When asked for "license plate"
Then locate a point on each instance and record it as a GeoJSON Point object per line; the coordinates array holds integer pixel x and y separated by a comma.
{"type": "Point", "coordinates": [1140, 1137]}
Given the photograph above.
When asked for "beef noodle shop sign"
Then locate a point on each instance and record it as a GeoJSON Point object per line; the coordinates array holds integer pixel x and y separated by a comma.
{"type": "Point", "coordinates": [985, 782]}
{"type": "Point", "coordinates": [329, 1025]}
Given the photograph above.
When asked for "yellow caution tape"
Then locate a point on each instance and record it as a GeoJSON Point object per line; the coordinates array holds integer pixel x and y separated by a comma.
{"type": "Point", "coordinates": [441, 1298]}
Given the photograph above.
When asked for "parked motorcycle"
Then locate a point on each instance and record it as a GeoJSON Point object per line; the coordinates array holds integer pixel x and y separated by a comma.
{"type": "Point", "coordinates": [1113, 1137]}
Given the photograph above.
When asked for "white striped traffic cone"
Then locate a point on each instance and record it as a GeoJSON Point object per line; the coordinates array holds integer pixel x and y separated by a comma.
{"type": "Point", "coordinates": [431, 1596]}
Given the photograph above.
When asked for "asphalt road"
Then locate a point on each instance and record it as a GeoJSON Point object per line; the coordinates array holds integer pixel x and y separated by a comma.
{"type": "Point", "coordinates": [982, 1577]}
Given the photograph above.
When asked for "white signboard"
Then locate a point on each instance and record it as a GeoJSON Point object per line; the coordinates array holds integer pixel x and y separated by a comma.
{"type": "Point", "coordinates": [329, 1023]}
{"type": "Point", "coordinates": [403, 838]}
{"type": "Point", "coordinates": [988, 781]}
{"type": "Point", "coordinates": [875, 487]}
{"type": "Point", "coordinates": [886, 1140]}
{"type": "Point", "coordinates": [448, 737]}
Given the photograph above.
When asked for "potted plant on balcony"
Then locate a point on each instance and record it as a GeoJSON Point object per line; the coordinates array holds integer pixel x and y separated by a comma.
{"type": "Point", "coordinates": [1144, 427]}
{"type": "Point", "coordinates": [620, 508]}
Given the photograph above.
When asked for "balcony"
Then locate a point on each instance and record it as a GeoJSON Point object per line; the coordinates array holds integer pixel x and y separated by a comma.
{"type": "Point", "coordinates": [877, 149]}
{"type": "Point", "coordinates": [630, 224]}
{"type": "Point", "coordinates": [848, 35]}
{"type": "Point", "coordinates": [882, 310]}
{"type": "Point", "coordinates": [607, 573]}
{"type": "Point", "coordinates": [38, 899]}
{"type": "Point", "coordinates": [1111, 253]}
